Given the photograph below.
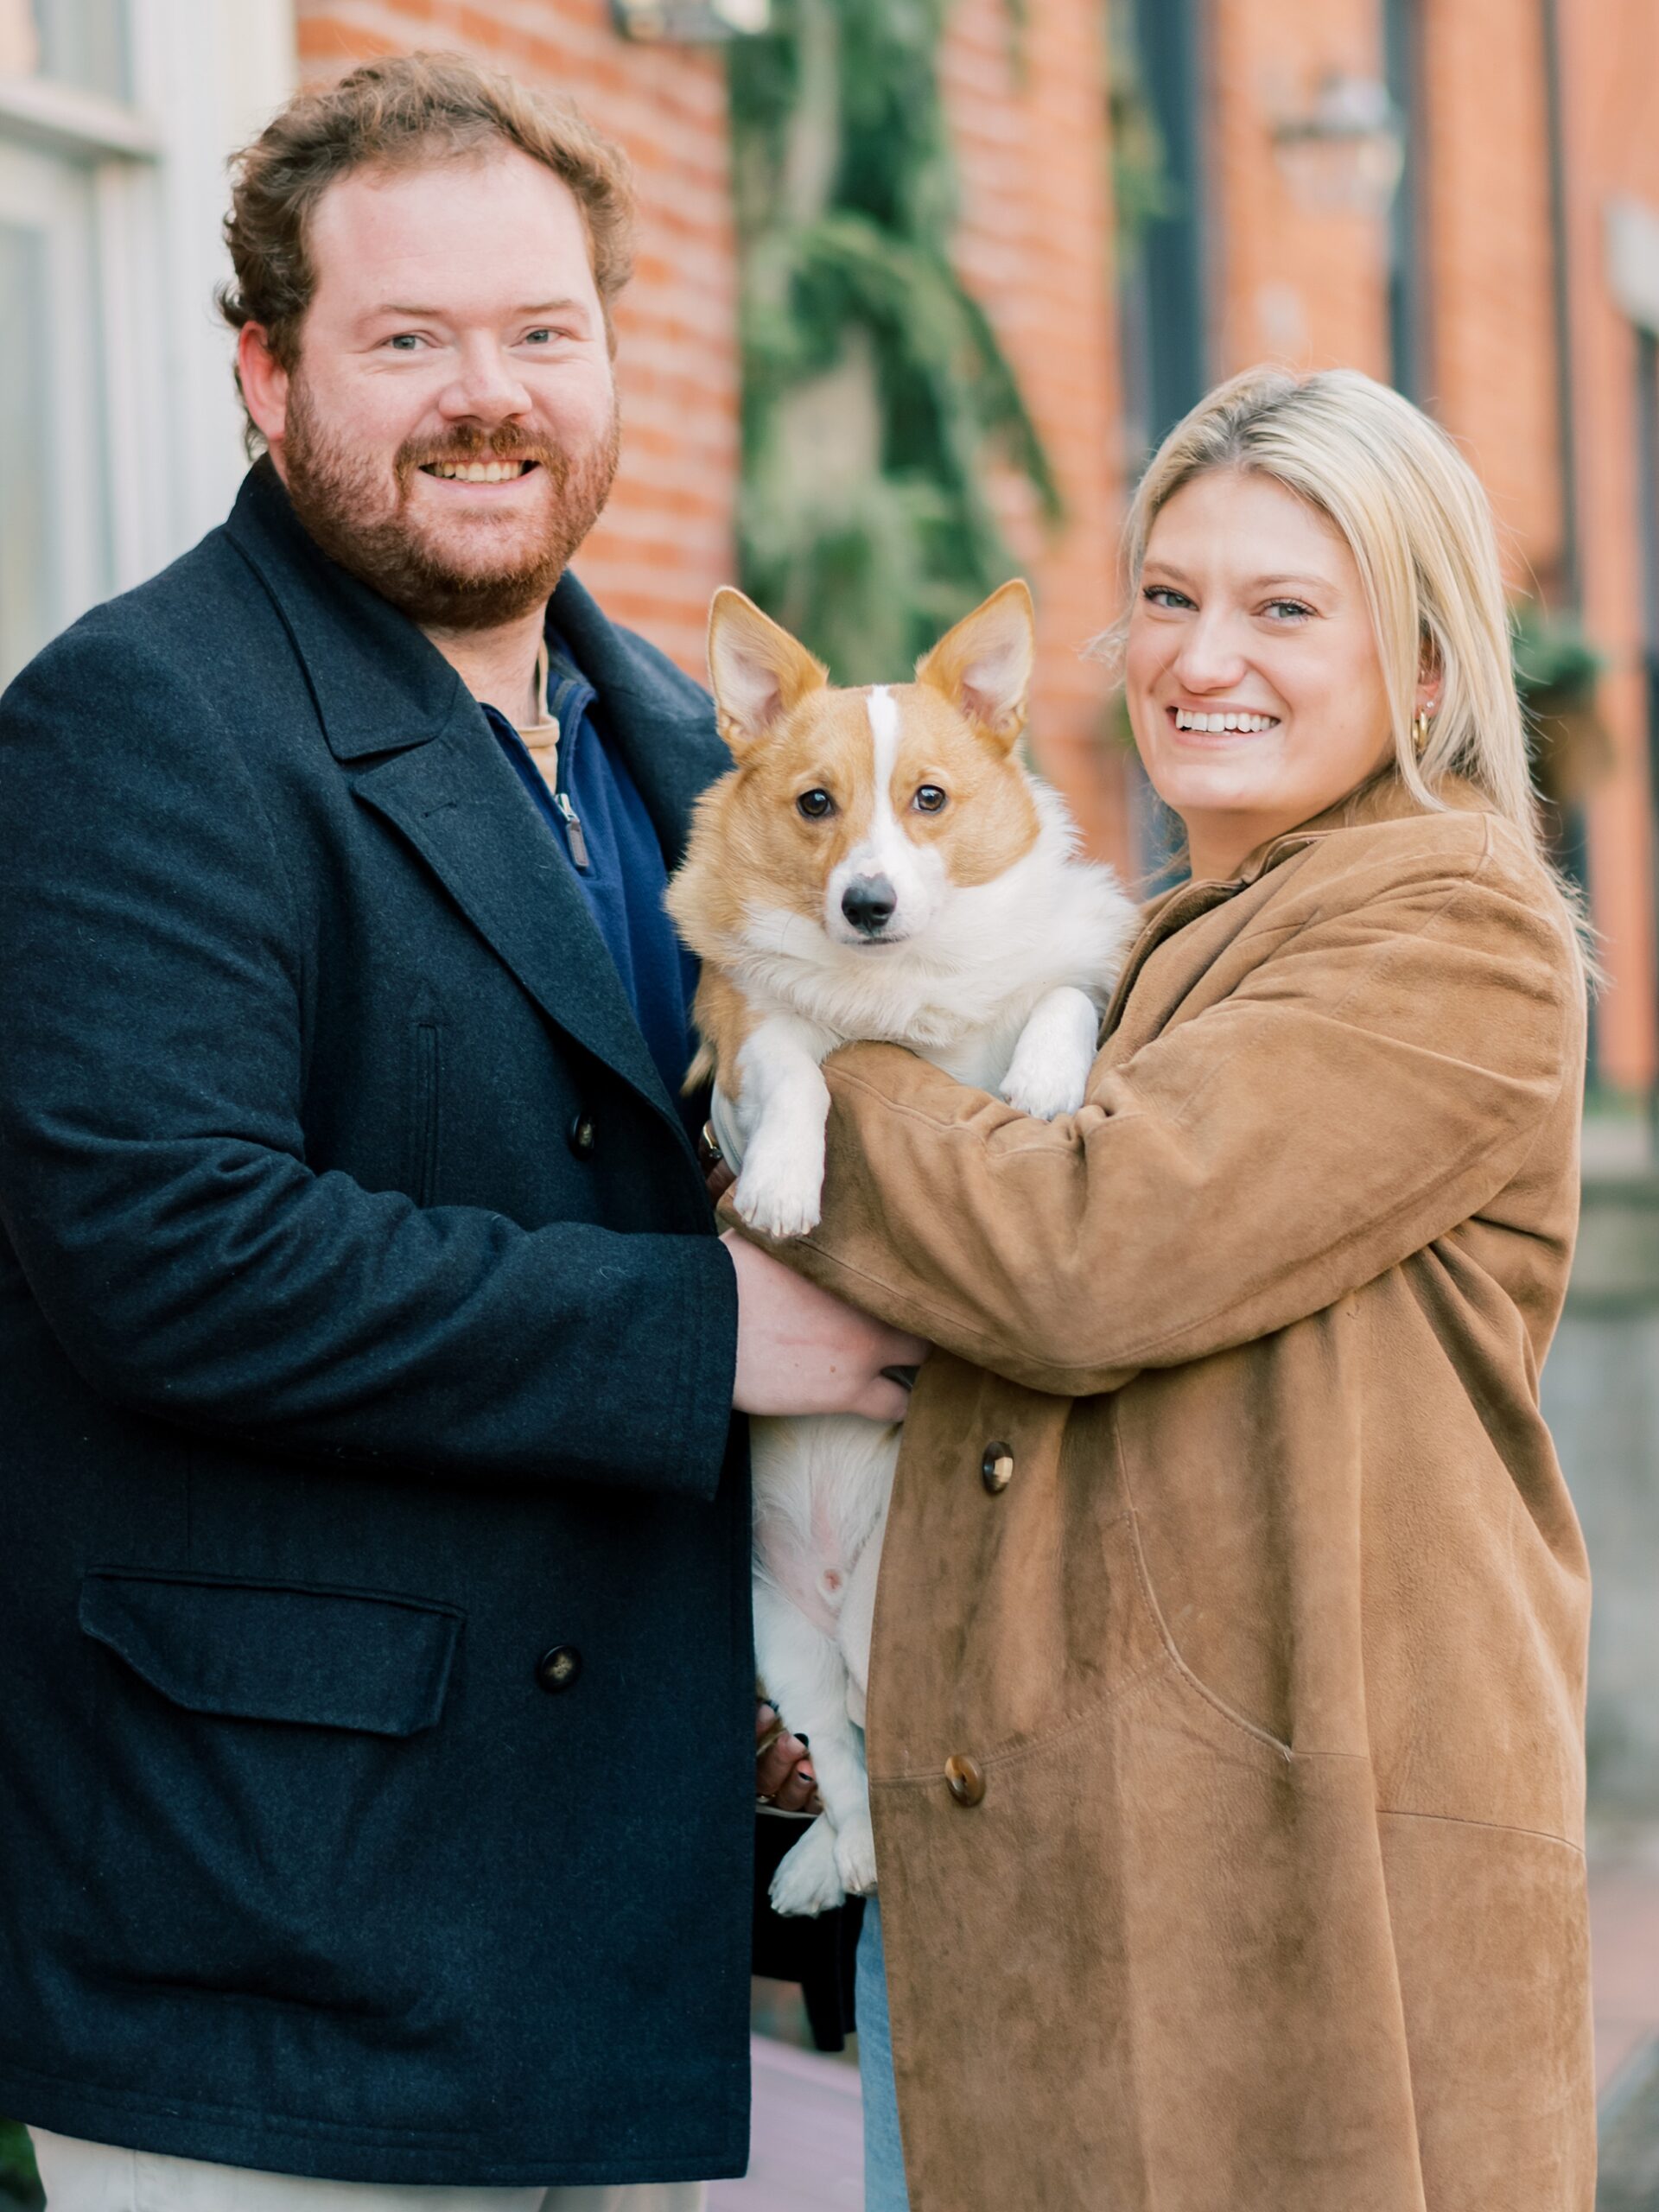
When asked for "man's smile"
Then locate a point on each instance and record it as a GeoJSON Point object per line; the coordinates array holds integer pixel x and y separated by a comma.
{"type": "Point", "coordinates": [479, 472]}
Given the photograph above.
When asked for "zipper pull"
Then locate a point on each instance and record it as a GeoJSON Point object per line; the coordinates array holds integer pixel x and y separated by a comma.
{"type": "Point", "coordinates": [572, 823]}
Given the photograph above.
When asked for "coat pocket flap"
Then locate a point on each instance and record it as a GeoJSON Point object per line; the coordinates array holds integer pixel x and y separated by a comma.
{"type": "Point", "coordinates": [274, 1651]}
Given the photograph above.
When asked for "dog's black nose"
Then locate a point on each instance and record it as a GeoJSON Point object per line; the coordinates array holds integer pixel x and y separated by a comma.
{"type": "Point", "coordinates": [868, 902]}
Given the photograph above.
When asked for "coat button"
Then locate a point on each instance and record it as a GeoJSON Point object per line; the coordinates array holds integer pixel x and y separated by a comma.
{"type": "Point", "coordinates": [966, 1781]}
{"type": "Point", "coordinates": [996, 1468]}
{"type": "Point", "coordinates": [579, 1135]}
{"type": "Point", "coordinates": [556, 1669]}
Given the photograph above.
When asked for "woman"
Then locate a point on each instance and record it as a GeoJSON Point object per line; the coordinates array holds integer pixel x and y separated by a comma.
{"type": "Point", "coordinates": [1227, 1759]}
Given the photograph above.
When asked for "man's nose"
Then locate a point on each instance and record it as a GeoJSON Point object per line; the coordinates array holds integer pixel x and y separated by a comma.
{"type": "Point", "coordinates": [486, 389]}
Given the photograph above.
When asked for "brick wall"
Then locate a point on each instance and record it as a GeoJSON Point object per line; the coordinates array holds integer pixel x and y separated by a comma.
{"type": "Point", "coordinates": [1612, 76]}
{"type": "Point", "coordinates": [1294, 281]}
{"type": "Point", "coordinates": [1027, 111]}
{"type": "Point", "coordinates": [665, 540]}
{"type": "Point", "coordinates": [1491, 372]}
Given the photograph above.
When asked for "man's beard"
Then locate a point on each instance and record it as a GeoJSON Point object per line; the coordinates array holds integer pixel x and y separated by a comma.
{"type": "Point", "coordinates": [340, 499]}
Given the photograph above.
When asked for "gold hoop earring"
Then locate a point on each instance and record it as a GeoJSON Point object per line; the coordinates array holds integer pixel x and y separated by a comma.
{"type": "Point", "coordinates": [1422, 731]}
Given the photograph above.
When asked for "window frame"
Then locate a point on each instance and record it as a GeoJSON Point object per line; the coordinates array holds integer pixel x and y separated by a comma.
{"type": "Point", "coordinates": [203, 79]}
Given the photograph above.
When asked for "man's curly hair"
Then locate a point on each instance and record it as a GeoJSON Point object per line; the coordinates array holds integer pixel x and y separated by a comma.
{"type": "Point", "coordinates": [403, 111]}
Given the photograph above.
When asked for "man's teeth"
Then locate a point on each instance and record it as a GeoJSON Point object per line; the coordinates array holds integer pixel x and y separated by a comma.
{"type": "Point", "coordinates": [478, 471]}
{"type": "Point", "coordinates": [1185, 721]}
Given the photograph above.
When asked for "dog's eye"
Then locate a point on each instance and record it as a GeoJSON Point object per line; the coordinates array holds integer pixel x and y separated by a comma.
{"type": "Point", "coordinates": [815, 805]}
{"type": "Point", "coordinates": [929, 799]}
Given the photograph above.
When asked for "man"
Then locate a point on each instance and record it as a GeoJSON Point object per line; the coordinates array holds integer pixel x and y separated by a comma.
{"type": "Point", "coordinates": [376, 1674]}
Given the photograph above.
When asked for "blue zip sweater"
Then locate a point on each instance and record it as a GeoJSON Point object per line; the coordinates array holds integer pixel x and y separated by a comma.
{"type": "Point", "coordinates": [613, 853]}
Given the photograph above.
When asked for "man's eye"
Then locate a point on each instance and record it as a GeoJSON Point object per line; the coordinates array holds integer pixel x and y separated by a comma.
{"type": "Point", "coordinates": [929, 799]}
{"type": "Point", "coordinates": [539, 337]}
{"type": "Point", "coordinates": [815, 805]}
{"type": "Point", "coordinates": [404, 341]}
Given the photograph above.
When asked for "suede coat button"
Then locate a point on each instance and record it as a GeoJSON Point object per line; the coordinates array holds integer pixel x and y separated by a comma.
{"type": "Point", "coordinates": [579, 1135]}
{"type": "Point", "coordinates": [556, 1669]}
{"type": "Point", "coordinates": [966, 1781]}
{"type": "Point", "coordinates": [996, 1468]}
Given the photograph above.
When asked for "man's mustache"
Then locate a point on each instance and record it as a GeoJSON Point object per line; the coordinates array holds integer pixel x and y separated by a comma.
{"type": "Point", "coordinates": [471, 443]}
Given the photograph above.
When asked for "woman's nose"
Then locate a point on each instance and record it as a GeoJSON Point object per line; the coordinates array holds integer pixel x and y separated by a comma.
{"type": "Point", "coordinates": [1210, 658]}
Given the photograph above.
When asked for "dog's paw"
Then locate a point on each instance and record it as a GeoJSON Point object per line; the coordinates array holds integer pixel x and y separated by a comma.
{"type": "Point", "coordinates": [1047, 1084]}
{"type": "Point", "coordinates": [807, 1881]}
{"type": "Point", "coordinates": [1049, 1072]}
{"type": "Point", "coordinates": [856, 1855]}
{"type": "Point", "coordinates": [780, 1192]}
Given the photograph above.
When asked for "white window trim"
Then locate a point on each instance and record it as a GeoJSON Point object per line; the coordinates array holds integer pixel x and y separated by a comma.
{"type": "Point", "coordinates": [66, 120]}
{"type": "Point", "coordinates": [205, 78]}
{"type": "Point", "coordinates": [210, 77]}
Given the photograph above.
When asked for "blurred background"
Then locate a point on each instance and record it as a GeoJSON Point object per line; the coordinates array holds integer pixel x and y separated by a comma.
{"type": "Point", "coordinates": [921, 282]}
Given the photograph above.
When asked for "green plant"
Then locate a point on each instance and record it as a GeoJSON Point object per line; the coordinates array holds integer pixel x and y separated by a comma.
{"type": "Point", "coordinates": [875, 393]}
{"type": "Point", "coordinates": [1556, 672]}
{"type": "Point", "coordinates": [1143, 191]}
{"type": "Point", "coordinates": [1556, 667]}
{"type": "Point", "coordinates": [19, 2183]}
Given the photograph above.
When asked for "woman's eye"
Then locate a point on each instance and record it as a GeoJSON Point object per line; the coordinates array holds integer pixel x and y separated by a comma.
{"type": "Point", "coordinates": [1165, 596]}
{"type": "Point", "coordinates": [929, 799]}
{"type": "Point", "coordinates": [815, 805]}
{"type": "Point", "coordinates": [1293, 609]}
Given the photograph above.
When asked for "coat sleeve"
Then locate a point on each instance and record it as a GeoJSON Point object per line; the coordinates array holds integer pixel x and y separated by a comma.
{"type": "Point", "coordinates": [153, 1177]}
{"type": "Point", "coordinates": [1377, 1079]}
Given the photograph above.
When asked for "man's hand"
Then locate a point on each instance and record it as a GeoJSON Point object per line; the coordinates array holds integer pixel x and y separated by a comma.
{"type": "Point", "coordinates": [782, 1776]}
{"type": "Point", "coordinates": [800, 1351]}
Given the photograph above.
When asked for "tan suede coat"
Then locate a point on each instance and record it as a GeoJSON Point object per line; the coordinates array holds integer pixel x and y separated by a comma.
{"type": "Point", "coordinates": [1267, 1663]}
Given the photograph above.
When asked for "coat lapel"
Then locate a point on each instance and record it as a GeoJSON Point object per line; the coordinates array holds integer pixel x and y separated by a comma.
{"type": "Point", "coordinates": [417, 750]}
{"type": "Point", "coordinates": [460, 805]}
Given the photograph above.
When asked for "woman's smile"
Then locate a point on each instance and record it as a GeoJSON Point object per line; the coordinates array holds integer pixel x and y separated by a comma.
{"type": "Point", "coordinates": [1221, 722]}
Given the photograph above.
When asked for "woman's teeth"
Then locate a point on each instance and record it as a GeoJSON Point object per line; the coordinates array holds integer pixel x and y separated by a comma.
{"type": "Point", "coordinates": [1185, 721]}
{"type": "Point", "coordinates": [478, 471]}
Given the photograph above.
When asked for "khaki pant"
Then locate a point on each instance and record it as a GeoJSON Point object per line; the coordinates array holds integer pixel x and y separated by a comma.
{"type": "Point", "coordinates": [94, 2178]}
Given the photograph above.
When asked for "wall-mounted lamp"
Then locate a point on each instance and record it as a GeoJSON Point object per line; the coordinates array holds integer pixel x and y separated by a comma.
{"type": "Point", "coordinates": [1348, 151]}
{"type": "Point", "coordinates": [689, 23]}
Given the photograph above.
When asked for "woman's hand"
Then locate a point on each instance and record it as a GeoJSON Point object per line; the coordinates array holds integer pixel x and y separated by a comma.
{"type": "Point", "coordinates": [783, 1773]}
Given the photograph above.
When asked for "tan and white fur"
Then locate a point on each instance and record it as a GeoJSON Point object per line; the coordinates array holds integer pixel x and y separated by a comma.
{"type": "Point", "coordinates": [879, 864]}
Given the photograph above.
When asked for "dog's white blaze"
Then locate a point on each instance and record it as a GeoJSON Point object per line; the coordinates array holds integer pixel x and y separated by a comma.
{"type": "Point", "coordinates": [888, 851]}
{"type": "Point", "coordinates": [917, 876]}
{"type": "Point", "coordinates": [884, 728]}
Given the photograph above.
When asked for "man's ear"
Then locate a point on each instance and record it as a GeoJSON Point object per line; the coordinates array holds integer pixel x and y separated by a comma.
{"type": "Point", "coordinates": [983, 666]}
{"type": "Point", "coordinates": [758, 671]}
{"type": "Point", "coordinates": [264, 384]}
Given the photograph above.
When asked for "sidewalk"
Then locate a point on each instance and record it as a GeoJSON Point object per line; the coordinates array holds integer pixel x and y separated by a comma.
{"type": "Point", "coordinates": [806, 2141]}
{"type": "Point", "coordinates": [806, 2151]}
{"type": "Point", "coordinates": [1624, 1937]}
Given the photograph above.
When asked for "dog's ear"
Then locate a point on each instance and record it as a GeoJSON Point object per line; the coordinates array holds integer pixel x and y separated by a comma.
{"type": "Point", "coordinates": [983, 665]}
{"type": "Point", "coordinates": [758, 671]}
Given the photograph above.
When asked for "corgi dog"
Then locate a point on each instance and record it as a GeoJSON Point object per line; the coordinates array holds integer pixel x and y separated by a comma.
{"type": "Point", "coordinates": [877, 864]}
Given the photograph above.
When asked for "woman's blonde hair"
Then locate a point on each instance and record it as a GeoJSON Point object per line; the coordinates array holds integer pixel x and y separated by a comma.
{"type": "Point", "coordinates": [1418, 525]}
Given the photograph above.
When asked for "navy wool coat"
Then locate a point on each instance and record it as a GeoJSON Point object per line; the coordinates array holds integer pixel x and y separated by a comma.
{"type": "Point", "coordinates": [376, 1684]}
